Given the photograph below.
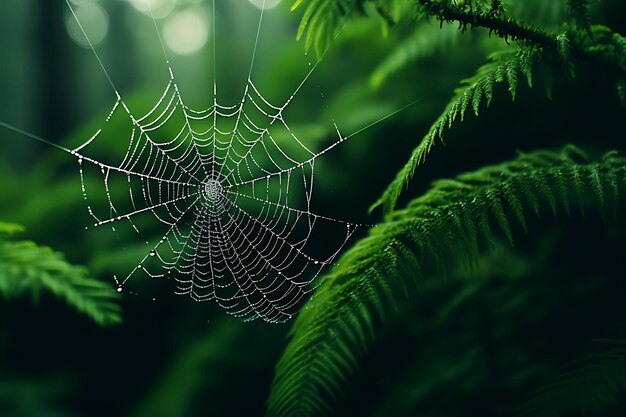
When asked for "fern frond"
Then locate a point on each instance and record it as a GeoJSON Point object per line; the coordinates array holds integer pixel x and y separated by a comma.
{"type": "Point", "coordinates": [593, 382]}
{"type": "Point", "coordinates": [431, 233]}
{"type": "Point", "coordinates": [26, 267]}
{"type": "Point", "coordinates": [504, 67]}
{"type": "Point", "coordinates": [564, 52]}
{"type": "Point", "coordinates": [322, 19]}
{"type": "Point", "coordinates": [425, 41]}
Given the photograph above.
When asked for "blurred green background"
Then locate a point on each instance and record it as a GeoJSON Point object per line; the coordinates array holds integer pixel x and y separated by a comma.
{"type": "Point", "coordinates": [174, 357]}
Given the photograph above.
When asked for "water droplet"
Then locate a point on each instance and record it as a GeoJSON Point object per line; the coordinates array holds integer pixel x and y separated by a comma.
{"type": "Point", "coordinates": [119, 289]}
{"type": "Point", "coordinates": [316, 262]}
{"type": "Point", "coordinates": [152, 253]}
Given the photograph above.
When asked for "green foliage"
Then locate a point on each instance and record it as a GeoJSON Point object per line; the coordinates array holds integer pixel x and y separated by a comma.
{"type": "Point", "coordinates": [590, 384]}
{"type": "Point", "coordinates": [504, 67]}
{"type": "Point", "coordinates": [564, 50]}
{"type": "Point", "coordinates": [434, 232]}
{"type": "Point", "coordinates": [26, 267]}
{"type": "Point", "coordinates": [501, 322]}
{"type": "Point", "coordinates": [323, 19]}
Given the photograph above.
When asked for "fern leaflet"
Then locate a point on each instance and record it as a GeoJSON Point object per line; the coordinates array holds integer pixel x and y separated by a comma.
{"type": "Point", "coordinates": [25, 267]}
{"type": "Point", "coordinates": [322, 19]}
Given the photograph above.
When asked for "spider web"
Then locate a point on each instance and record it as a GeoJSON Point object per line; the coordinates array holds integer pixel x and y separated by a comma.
{"type": "Point", "coordinates": [231, 186]}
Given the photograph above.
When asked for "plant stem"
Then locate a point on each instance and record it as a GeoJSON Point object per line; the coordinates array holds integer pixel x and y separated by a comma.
{"type": "Point", "coordinates": [512, 29]}
{"type": "Point", "coordinates": [506, 28]}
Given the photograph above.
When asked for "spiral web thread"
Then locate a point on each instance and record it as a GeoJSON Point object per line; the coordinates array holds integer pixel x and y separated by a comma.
{"type": "Point", "coordinates": [233, 187]}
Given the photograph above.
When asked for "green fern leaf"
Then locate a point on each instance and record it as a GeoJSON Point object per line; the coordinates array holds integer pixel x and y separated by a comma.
{"type": "Point", "coordinates": [323, 19]}
{"type": "Point", "coordinates": [545, 190]}
{"type": "Point", "coordinates": [564, 52]}
{"type": "Point", "coordinates": [613, 182]}
{"type": "Point", "coordinates": [512, 79]}
{"type": "Point", "coordinates": [595, 176]}
{"type": "Point", "coordinates": [578, 186]}
{"type": "Point", "coordinates": [497, 210]}
{"type": "Point", "coordinates": [26, 267]}
{"type": "Point", "coordinates": [473, 92]}
{"type": "Point", "coordinates": [336, 326]}
{"type": "Point", "coordinates": [563, 191]}
{"type": "Point", "coordinates": [510, 194]}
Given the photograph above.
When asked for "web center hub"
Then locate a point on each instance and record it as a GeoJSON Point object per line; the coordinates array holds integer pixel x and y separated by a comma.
{"type": "Point", "coordinates": [213, 190]}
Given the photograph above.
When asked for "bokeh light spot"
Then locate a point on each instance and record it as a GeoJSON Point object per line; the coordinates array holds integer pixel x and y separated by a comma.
{"type": "Point", "coordinates": [94, 20]}
{"type": "Point", "coordinates": [269, 4]}
{"type": "Point", "coordinates": [186, 31]}
{"type": "Point", "coordinates": [160, 8]}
